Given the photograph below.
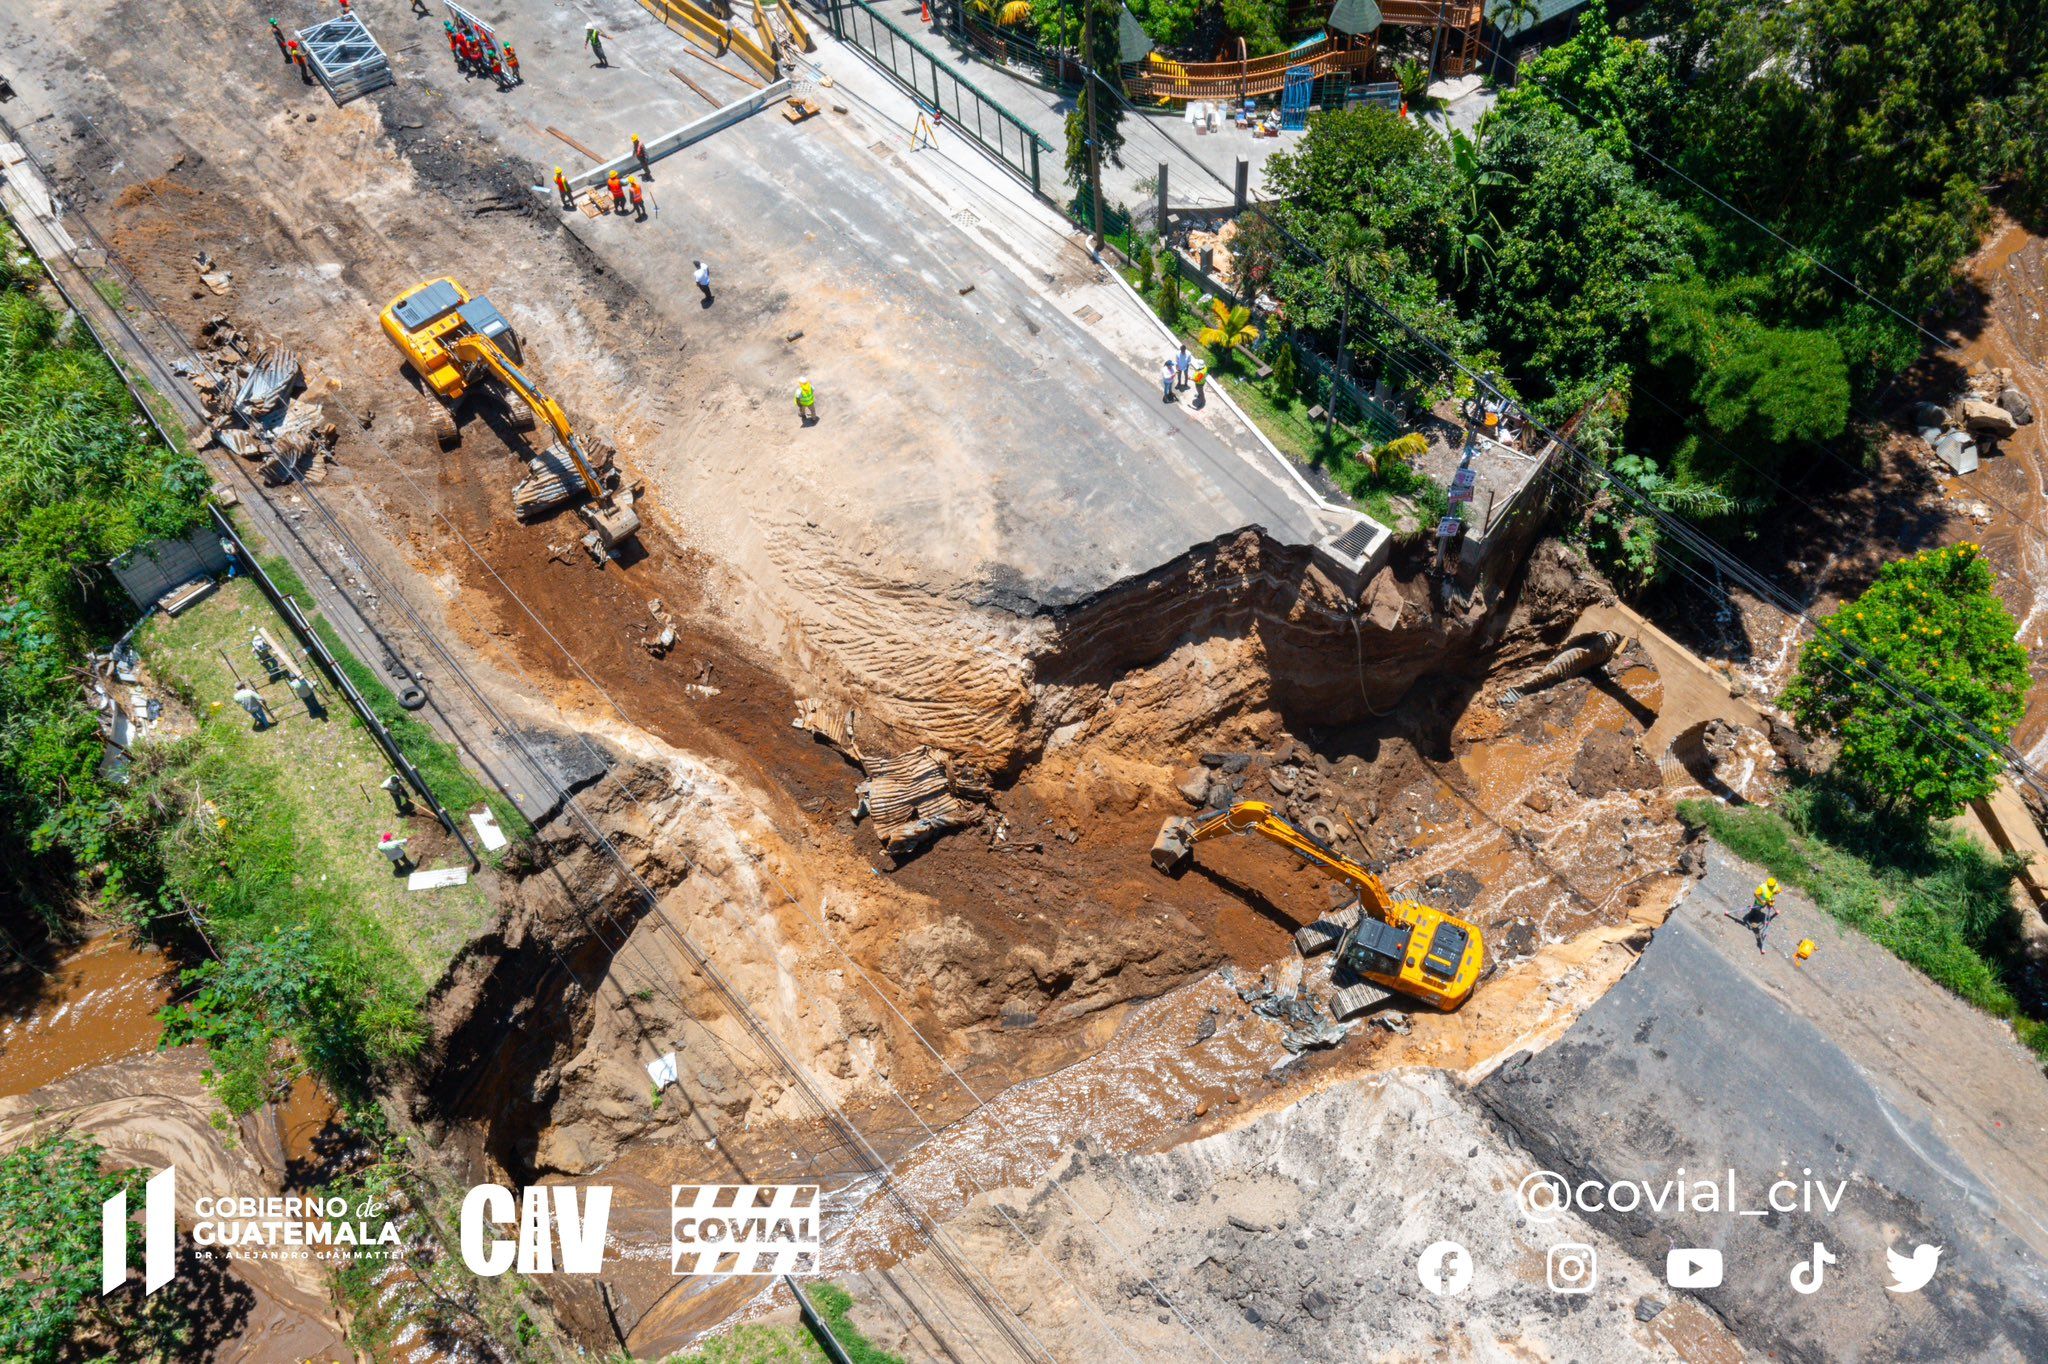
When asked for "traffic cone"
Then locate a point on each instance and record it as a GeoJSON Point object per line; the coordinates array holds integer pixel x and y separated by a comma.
{"type": "Point", "coordinates": [925, 11]}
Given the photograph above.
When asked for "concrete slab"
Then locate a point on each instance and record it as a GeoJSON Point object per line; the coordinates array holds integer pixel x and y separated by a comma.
{"type": "Point", "coordinates": [1710, 1057]}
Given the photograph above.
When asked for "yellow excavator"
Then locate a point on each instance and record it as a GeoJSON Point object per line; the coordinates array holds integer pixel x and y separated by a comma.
{"type": "Point", "coordinates": [459, 343]}
{"type": "Point", "coordinates": [1384, 947]}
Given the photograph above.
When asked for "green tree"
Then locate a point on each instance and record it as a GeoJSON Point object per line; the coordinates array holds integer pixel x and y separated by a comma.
{"type": "Point", "coordinates": [1568, 298]}
{"type": "Point", "coordinates": [262, 1010]}
{"type": "Point", "coordinates": [1761, 388]}
{"type": "Point", "coordinates": [1099, 91]}
{"type": "Point", "coordinates": [1864, 131]}
{"type": "Point", "coordinates": [1916, 679]}
{"type": "Point", "coordinates": [50, 1197]}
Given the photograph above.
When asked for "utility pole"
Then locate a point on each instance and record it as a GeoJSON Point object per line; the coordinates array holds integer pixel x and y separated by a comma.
{"type": "Point", "coordinates": [1088, 91]}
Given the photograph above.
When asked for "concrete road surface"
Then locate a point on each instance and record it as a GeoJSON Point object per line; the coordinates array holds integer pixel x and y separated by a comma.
{"type": "Point", "coordinates": [1852, 1074]}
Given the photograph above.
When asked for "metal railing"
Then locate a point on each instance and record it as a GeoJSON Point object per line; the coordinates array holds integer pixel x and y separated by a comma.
{"type": "Point", "coordinates": [966, 110]}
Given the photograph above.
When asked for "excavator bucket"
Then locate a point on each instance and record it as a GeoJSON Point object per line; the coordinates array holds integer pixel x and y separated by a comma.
{"type": "Point", "coordinates": [1170, 851]}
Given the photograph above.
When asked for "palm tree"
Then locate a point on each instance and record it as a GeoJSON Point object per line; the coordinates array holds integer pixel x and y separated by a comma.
{"type": "Point", "coordinates": [1229, 327]}
{"type": "Point", "coordinates": [1511, 14]}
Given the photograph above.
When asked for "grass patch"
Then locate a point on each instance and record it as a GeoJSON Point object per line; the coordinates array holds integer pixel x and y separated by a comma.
{"type": "Point", "coordinates": [110, 290]}
{"type": "Point", "coordinates": [270, 836]}
{"type": "Point", "coordinates": [1930, 896]}
{"type": "Point", "coordinates": [439, 762]}
{"type": "Point", "coordinates": [1399, 498]}
{"type": "Point", "coordinates": [794, 1344]}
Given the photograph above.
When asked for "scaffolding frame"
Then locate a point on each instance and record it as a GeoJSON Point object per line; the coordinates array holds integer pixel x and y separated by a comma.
{"type": "Point", "coordinates": [346, 58]}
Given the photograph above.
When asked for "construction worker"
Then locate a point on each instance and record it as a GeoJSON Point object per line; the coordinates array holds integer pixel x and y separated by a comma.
{"type": "Point", "coordinates": [806, 402]}
{"type": "Point", "coordinates": [640, 154]}
{"type": "Point", "coordinates": [702, 274]}
{"type": "Point", "coordinates": [1201, 376]}
{"type": "Point", "coordinates": [639, 202]}
{"type": "Point", "coordinates": [394, 852]}
{"type": "Point", "coordinates": [278, 33]}
{"type": "Point", "coordinates": [249, 699]}
{"type": "Point", "coordinates": [1166, 377]}
{"type": "Point", "coordinates": [401, 799]}
{"type": "Point", "coordinates": [1182, 363]}
{"type": "Point", "coordinates": [562, 188]}
{"type": "Point", "coordinates": [618, 191]}
{"type": "Point", "coordinates": [472, 56]}
{"type": "Point", "coordinates": [298, 55]}
{"type": "Point", "coordinates": [498, 74]}
{"type": "Point", "coordinates": [344, 7]}
{"type": "Point", "coordinates": [419, 7]}
{"type": "Point", "coordinates": [1763, 911]}
{"type": "Point", "coordinates": [512, 62]}
{"type": "Point", "coordinates": [594, 36]}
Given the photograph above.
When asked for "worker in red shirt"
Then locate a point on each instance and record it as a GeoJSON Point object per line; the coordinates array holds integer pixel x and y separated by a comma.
{"type": "Point", "coordinates": [618, 192]}
{"type": "Point", "coordinates": [562, 188]}
{"type": "Point", "coordinates": [639, 201]}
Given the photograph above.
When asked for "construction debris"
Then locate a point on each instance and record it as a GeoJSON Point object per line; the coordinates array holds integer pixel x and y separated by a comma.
{"type": "Point", "coordinates": [911, 797]}
{"type": "Point", "coordinates": [267, 384]}
{"type": "Point", "coordinates": [664, 637]}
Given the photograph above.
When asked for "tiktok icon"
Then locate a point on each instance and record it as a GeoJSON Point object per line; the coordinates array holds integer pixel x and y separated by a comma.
{"type": "Point", "coordinates": [1807, 1275]}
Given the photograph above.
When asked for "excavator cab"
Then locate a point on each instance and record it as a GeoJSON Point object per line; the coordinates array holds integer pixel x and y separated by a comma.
{"type": "Point", "coordinates": [1384, 947]}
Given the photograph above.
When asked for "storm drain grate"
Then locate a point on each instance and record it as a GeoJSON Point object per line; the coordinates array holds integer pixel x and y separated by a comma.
{"type": "Point", "coordinates": [1353, 543]}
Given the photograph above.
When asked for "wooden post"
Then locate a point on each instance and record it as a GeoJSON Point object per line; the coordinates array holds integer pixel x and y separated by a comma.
{"type": "Point", "coordinates": [1159, 222]}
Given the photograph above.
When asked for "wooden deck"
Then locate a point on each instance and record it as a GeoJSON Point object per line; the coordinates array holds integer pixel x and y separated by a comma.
{"type": "Point", "coordinates": [1160, 79]}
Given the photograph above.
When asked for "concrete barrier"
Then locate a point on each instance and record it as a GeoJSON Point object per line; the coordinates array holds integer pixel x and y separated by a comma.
{"type": "Point", "coordinates": [658, 147]}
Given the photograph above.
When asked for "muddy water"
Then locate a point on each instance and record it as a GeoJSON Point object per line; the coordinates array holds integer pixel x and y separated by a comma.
{"type": "Point", "coordinates": [99, 1005]}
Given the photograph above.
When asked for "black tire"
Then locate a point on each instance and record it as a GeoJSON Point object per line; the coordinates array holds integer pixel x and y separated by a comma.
{"type": "Point", "coordinates": [411, 698]}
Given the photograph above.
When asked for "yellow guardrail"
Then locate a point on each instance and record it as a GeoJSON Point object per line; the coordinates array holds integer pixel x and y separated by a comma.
{"type": "Point", "coordinates": [797, 28]}
{"type": "Point", "coordinates": [713, 32]}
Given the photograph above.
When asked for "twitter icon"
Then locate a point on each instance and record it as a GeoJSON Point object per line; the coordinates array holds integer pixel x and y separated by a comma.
{"type": "Point", "coordinates": [1910, 1273]}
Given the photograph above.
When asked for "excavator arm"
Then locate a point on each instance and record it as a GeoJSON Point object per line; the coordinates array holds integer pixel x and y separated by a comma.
{"type": "Point", "coordinates": [1383, 947]}
{"type": "Point", "coordinates": [1177, 842]}
{"type": "Point", "coordinates": [474, 349]}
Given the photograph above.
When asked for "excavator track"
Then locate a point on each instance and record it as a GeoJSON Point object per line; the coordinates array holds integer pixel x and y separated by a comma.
{"type": "Point", "coordinates": [1324, 933]}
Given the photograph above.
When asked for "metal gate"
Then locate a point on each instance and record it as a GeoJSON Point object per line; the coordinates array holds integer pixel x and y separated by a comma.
{"type": "Point", "coordinates": [1294, 97]}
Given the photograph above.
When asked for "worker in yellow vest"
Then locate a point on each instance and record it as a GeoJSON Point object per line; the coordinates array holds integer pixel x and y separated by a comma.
{"type": "Point", "coordinates": [1200, 375]}
{"type": "Point", "coordinates": [806, 402]}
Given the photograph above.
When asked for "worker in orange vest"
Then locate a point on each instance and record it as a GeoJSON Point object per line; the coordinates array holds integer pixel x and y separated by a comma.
{"type": "Point", "coordinates": [511, 61]}
{"type": "Point", "coordinates": [618, 192]}
{"type": "Point", "coordinates": [562, 188]}
{"type": "Point", "coordinates": [639, 202]}
{"type": "Point", "coordinates": [298, 55]}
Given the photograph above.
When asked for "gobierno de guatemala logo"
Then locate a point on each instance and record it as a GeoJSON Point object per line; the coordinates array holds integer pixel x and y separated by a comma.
{"type": "Point", "coordinates": [288, 1227]}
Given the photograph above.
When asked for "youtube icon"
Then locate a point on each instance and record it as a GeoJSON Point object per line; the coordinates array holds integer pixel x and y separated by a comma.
{"type": "Point", "coordinates": [1693, 1268]}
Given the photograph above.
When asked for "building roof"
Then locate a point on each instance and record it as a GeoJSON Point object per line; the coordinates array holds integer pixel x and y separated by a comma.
{"type": "Point", "coordinates": [1354, 17]}
{"type": "Point", "coordinates": [1132, 42]}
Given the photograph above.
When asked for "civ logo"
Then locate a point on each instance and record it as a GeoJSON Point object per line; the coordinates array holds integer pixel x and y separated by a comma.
{"type": "Point", "coordinates": [159, 1235]}
{"type": "Point", "coordinates": [745, 1229]}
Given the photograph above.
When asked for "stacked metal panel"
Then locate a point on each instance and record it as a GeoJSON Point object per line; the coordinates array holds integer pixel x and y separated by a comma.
{"type": "Point", "coordinates": [346, 58]}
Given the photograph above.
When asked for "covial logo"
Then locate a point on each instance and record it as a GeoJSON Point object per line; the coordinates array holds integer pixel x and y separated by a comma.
{"type": "Point", "coordinates": [159, 1235]}
{"type": "Point", "coordinates": [745, 1228]}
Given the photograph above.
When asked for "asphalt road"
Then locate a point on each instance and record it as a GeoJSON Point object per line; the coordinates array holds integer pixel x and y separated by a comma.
{"type": "Point", "coordinates": [1710, 1057]}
